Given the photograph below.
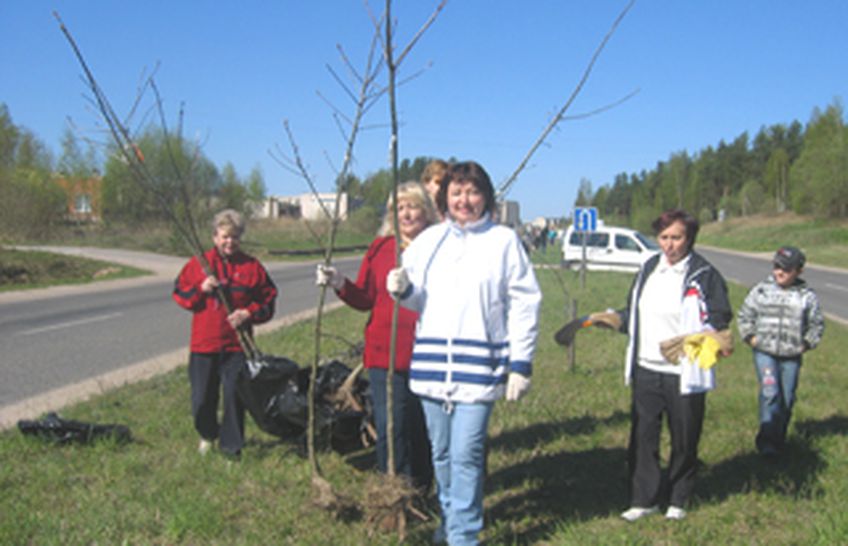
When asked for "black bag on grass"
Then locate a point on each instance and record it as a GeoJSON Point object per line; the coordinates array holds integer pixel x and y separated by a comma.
{"type": "Point", "coordinates": [64, 431]}
{"type": "Point", "coordinates": [274, 392]}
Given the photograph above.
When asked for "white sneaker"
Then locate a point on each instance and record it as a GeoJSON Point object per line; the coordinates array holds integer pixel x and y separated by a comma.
{"type": "Point", "coordinates": [204, 446]}
{"type": "Point", "coordinates": [676, 513]}
{"type": "Point", "coordinates": [636, 512]}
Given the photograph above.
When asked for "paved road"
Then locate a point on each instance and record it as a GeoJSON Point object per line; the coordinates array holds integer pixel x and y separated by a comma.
{"type": "Point", "coordinates": [830, 284]}
{"type": "Point", "coordinates": [62, 344]}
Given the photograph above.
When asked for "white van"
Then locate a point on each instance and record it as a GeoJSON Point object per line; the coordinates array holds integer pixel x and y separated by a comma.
{"type": "Point", "coordinates": [607, 249]}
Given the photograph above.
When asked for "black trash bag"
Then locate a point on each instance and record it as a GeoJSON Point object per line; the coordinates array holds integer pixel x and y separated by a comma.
{"type": "Point", "coordinates": [260, 385]}
{"type": "Point", "coordinates": [65, 431]}
{"type": "Point", "coordinates": [275, 392]}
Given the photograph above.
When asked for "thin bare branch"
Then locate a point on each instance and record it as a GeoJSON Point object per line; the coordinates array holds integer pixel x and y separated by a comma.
{"type": "Point", "coordinates": [332, 165]}
{"type": "Point", "coordinates": [336, 111]}
{"type": "Point", "coordinates": [303, 171]}
{"type": "Point", "coordinates": [602, 109]}
{"type": "Point", "coordinates": [420, 32]}
{"type": "Point", "coordinates": [558, 117]}
{"type": "Point", "coordinates": [346, 62]}
{"type": "Point", "coordinates": [342, 84]}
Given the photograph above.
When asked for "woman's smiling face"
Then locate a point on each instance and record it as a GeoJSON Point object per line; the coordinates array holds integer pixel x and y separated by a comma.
{"type": "Point", "coordinates": [465, 202]}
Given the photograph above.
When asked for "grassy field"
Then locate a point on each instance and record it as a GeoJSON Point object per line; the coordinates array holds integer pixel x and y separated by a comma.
{"type": "Point", "coordinates": [265, 239]}
{"type": "Point", "coordinates": [557, 470]}
{"type": "Point", "coordinates": [32, 269]}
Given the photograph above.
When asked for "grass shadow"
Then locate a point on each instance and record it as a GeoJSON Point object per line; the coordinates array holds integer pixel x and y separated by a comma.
{"type": "Point", "coordinates": [793, 473]}
{"type": "Point", "coordinates": [835, 425]}
{"type": "Point", "coordinates": [528, 437]}
{"type": "Point", "coordinates": [566, 486]}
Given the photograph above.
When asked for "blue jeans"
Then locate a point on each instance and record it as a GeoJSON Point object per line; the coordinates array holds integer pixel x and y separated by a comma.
{"type": "Point", "coordinates": [458, 436]}
{"type": "Point", "coordinates": [778, 379]}
{"type": "Point", "coordinates": [412, 449]}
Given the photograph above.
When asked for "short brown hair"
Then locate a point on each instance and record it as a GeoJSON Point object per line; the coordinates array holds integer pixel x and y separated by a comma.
{"type": "Point", "coordinates": [467, 171]}
{"type": "Point", "coordinates": [678, 215]}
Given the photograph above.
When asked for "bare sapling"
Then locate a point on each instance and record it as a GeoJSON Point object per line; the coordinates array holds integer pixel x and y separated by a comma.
{"type": "Point", "coordinates": [389, 500]}
{"type": "Point", "coordinates": [172, 196]}
{"type": "Point", "coordinates": [363, 99]}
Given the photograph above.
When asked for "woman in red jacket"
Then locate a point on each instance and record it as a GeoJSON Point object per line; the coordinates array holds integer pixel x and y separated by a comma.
{"type": "Point", "coordinates": [216, 355]}
{"type": "Point", "coordinates": [412, 450]}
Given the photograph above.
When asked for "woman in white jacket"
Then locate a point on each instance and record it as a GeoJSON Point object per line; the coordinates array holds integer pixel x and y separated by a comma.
{"type": "Point", "coordinates": [476, 294]}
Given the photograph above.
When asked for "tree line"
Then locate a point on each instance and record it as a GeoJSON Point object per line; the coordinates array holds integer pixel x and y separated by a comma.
{"type": "Point", "coordinates": [785, 167]}
{"type": "Point", "coordinates": [33, 205]}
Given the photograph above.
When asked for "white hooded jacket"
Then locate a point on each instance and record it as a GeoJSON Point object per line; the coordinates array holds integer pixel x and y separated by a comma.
{"type": "Point", "coordinates": [478, 301]}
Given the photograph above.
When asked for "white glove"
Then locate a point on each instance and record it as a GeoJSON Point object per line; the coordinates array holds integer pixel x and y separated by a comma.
{"type": "Point", "coordinates": [397, 281]}
{"type": "Point", "coordinates": [328, 275]}
{"type": "Point", "coordinates": [517, 386]}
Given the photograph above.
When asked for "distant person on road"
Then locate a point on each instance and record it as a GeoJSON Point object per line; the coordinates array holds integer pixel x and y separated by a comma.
{"type": "Point", "coordinates": [368, 293]}
{"type": "Point", "coordinates": [476, 292]}
{"type": "Point", "coordinates": [677, 318]}
{"type": "Point", "coordinates": [432, 177]}
{"type": "Point", "coordinates": [781, 320]}
{"type": "Point", "coordinates": [216, 354]}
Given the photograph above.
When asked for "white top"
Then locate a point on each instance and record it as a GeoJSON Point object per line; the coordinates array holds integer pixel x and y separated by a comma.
{"type": "Point", "coordinates": [478, 300]}
{"type": "Point", "coordinates": [659, 312]}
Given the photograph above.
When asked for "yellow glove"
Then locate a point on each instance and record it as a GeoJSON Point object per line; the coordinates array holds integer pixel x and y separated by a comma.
{"type": "Point", "coordinates": [706, 347]}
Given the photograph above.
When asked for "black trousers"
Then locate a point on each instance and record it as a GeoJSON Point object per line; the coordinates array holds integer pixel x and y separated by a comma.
{"type": "Point", "coordinates": [213, 374]}
{"type": "Point", "coordinates": [655, 395]}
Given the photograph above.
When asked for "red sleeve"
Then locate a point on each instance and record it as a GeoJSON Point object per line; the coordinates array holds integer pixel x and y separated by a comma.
{"type": "Point", "coordinates": [362, 294]}
{"type": "Point", "coordinates": [264, 297]}
{"type": "Point", "coordinates": [187, 291]}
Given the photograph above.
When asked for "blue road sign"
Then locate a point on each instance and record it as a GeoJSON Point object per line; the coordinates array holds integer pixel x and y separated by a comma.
{"type": "Point", "coordinates": [585, 218]}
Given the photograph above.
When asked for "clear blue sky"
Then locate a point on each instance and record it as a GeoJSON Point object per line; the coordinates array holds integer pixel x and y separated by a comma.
{"type": "Point", "coordinates": [498, 70]}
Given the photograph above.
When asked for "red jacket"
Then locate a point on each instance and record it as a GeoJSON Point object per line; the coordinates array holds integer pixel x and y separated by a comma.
{"type": "Point", "coordinates": [249, 287]}
{"type": "Point", "coordinates": [369, 294]}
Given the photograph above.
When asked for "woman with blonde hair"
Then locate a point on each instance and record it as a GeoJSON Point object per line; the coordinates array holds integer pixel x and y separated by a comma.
{"type": "Point", "coordinates": [216, 354]}
{"type": "Point", "coordinates": [415, 212]}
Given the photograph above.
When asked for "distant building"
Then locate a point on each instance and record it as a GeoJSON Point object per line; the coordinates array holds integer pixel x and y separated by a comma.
{"type": "Point", "coordinates": [84, 203]}
{"type": "Point", "coordinates": [307, 205]}
{"type": "Point", "coordinates": [508, 213]}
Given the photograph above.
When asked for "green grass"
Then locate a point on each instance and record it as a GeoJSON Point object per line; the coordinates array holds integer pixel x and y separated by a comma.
{"type": "Point", "coordinates": [557, 470]}
{"type": "Point", "coordinates": [33, 269]}
{"type": "Point", "coordinates": [265, 239]}
{"type": "Point", "coordinates": [824, 241]}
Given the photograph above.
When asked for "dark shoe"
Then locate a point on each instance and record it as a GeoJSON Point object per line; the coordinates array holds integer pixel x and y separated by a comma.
{"type": "Point", "coordinates": [231, 455]}
{"type": "Point", "coordinates": [769, 452]}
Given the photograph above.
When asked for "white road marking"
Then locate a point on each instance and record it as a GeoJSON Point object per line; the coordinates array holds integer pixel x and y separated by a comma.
{"type": "Point", "coordinates": [836, 286]}
{"type": "Point", "coordinates": [59, 326]}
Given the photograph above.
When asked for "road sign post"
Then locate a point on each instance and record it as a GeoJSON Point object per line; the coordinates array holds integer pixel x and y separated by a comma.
{"type": "Point", "coordinates": [585, 222]}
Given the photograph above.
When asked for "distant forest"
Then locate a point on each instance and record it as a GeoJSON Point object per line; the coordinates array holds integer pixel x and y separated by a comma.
{"type": "Point", "coordinates": [784, 167]}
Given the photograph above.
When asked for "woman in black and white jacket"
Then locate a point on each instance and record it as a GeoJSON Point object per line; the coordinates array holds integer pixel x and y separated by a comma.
{"type": "Point", "coordinates": [677, 293]}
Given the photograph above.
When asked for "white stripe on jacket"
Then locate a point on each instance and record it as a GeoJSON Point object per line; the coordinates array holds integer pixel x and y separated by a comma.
{"type": "Point", "coordinates": [478, 301]}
